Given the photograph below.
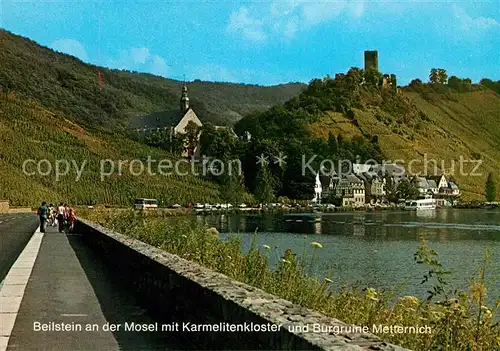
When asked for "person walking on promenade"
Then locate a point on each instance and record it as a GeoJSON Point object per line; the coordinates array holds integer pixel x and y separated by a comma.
{"type": "Point", "coordinates": [71, 220]}
{"type": "Point", "coordinates": [49, 215]}
{"type": "Point", "coordinates": [60, 217]}
{"type": "Point", "coordinates": [66, 217]}
{"type": "Point", "coordinates": [43, 213]}
{"type": "Point", "coordinates": [54, 216]}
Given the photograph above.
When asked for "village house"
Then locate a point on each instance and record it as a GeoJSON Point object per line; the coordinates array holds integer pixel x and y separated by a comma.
{"type": "Point", "coordinates": [374, 186]}
{"type": "Point", "coordinates": [422, 186]}
{"type": "Point", "coordinates": [352, 191]}
{"type": "Point", "coordinates": [392, 171]}
{"type": "Point", "coordinates": [324, 186]}
{"type": "Point", "coordinates": [437, 186]}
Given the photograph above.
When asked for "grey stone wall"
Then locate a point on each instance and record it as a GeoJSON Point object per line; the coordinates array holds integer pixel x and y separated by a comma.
{"type": "Point", "coordinates": [173, 290]}
{"type": "Point", "coordinates": [371, 60]}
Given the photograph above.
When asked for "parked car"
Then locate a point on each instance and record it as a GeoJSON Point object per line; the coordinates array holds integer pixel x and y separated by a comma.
{"type": "Point", "coordinates": [242, 206]}
{"type": "Point", "coordinates": [175, 206]}
{"type": "Point", "coordinates": [198, 205]}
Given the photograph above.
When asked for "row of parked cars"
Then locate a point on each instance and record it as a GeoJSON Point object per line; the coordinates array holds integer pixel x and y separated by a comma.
{"type": "Point", "coordinates": [200, 206]}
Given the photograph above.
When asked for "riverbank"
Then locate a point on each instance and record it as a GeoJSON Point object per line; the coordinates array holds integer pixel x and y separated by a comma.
{"type": "Point", "coordinates": [461, 319]}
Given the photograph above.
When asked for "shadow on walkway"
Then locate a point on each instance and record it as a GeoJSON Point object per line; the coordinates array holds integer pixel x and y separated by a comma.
{"type": "Point", "coordinates": [120, 306]}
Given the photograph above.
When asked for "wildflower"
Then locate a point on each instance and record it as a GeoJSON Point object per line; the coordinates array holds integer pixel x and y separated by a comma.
{"type": "Point", "coordinates": [315, 244]}
{"type": "Point", "coordinates": [478, 291]}
{"type": "Point", "coordinates": [287, 254]}
{"type": "Point", "coordinates": [453, 303]}
{"type": "Point", "coordinates": [486, 311]}
{"type": "Point", "coordinates": [371, 293]}
{"type": "Point", "coordinates": [413, 300]}
{"type": "Point", "coordinates": [267, 247]}
{"type": "Point", "coordinates": [213, 231]}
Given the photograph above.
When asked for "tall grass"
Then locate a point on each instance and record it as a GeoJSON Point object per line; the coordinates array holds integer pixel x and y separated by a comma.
{"type": "Point", "coordinates": [460, 322]}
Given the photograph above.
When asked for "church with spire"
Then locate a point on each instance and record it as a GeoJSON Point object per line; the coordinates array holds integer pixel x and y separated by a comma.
{"type": "Point", "coordinates": [175, 121]}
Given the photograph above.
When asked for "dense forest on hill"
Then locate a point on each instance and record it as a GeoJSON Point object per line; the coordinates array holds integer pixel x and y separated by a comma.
{"type": "Point", "coordinates": [64, 83]}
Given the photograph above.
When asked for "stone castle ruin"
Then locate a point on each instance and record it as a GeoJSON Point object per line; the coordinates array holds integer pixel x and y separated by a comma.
{"type": "Point", "coordinates": [371, 60]}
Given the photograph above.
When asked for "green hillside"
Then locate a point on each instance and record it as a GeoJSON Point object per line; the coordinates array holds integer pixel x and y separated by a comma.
{"type": "Point", "coordinates": [435, 124]}
{"type": "Point", "coordinates": [66, 84]}
{"type": "Point", "coordinates": [31, 132]}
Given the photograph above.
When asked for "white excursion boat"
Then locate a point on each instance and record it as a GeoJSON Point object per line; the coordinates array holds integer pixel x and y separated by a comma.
{"type": "Point", "coordinates": [421, 204]}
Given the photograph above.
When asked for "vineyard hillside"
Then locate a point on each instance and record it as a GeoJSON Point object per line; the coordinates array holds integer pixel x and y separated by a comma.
{"type": "Point", "coordinates": [29, 133]}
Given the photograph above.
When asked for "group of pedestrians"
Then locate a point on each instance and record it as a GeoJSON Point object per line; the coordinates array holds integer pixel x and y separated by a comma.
{"type": "Point", "coordinates": [61, 216]}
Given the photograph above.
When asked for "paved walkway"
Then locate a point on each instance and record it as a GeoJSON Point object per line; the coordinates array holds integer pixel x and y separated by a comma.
{"type": "Point", "coordinates": [68, 284]}
{"type": "Point", "coordinates": [16, 230]}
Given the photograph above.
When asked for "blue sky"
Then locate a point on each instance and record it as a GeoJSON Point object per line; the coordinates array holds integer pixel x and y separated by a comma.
{"type": "Point", "coordinates": [267, 42]}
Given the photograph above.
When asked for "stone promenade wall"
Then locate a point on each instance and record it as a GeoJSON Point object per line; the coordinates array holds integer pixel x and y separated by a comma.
{"type": "Point", "coordinates": [20, 210]}
{"type": "Point", "coordinates": [176, 290]}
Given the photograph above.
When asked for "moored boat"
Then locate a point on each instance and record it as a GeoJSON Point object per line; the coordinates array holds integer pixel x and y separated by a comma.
{"type": "Point", "coordinates": [421, 204]}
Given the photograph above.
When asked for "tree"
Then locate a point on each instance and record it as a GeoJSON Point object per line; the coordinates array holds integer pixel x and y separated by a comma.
{"type": "Point", "coordinates": [415, 83]}
{"type": "Point", "coordinates": [394, 82]}
{"type": "Point", "coordinates": [373, 77]}
{"type": "Point", "coordinates": [438, 76]}
{"type": "Point", "coordinates": [232, 186]}
{"type": "Point", "coordinates": [354, 76]}
{"type": "Point", "coordinates": [192, 137]}
{"type": "Point", "coordinates": [490, 188]}
{"type": "Point", "coordinates": [455, 83]}
{"type": "Point", "coordinates": [406, 190]}
{"type": "Point", "coordinates": [332, 143]}
{"type": "Point", "coordinates": [264, 191]}
{"type": "Point", "coordinates": [340, 140]}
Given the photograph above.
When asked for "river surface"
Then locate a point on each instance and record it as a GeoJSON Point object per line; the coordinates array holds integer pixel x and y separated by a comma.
{"type": "Point", "coordinates": [376, 249]}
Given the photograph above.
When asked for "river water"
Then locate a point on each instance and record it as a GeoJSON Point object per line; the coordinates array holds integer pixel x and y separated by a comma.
{"type": "Point", "coordinates": [376, 249]}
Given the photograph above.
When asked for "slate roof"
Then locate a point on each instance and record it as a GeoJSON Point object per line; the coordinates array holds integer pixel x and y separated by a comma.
{"type": "Point", "coordinates": [436, 178]}
{"type": "Point", "coordinates": [157, 119]}
{"type": "Point", "coordinates": [420, 182]}
{"type": "Point", "coordinates": [432, 183]}
{"type": "Point", "coordinates": [353, 179]}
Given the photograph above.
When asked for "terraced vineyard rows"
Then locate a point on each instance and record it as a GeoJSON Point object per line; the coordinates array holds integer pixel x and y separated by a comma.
{"type": "Point", "coordinates": [29, 132]}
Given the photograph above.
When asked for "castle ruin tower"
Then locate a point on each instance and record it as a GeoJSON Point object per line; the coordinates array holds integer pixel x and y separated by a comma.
{"type": "Point", "coordinates": [371, 60]}
{"type": "Point", "coordinates": [184, 103]}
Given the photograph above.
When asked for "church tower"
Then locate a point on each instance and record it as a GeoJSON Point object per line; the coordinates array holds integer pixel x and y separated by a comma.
{"type": "Point", "coordinates": [184, 103]}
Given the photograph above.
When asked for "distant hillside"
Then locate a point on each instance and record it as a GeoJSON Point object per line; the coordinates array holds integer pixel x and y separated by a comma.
{"type": "Point", "coordinates": [28, 131]}
{"type": "Point", "coordinates": [430, 122]}
{"type": "Point", "coordinates": [65, 83]}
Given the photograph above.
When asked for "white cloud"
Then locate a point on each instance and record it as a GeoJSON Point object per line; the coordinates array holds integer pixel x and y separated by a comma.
{"type": "Point", "coordinates": [476, 25]}
{"type": "Point", "coordinates": [140, 60]}
{"type": "Point", "coordinates": [250, 28]}
{"type": "Point", "coordinates": [140, 55]}
{"type": "Point", "coordinates": [213, 73]}
{"type": "Point", "coordinates": [317, 12]}
{"type": "Point", "coordinates": [71, 47]}
{"type": "Point", "coordinates": [159, 66]}
{"type": "Point", "coordinates": [287, 17]}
